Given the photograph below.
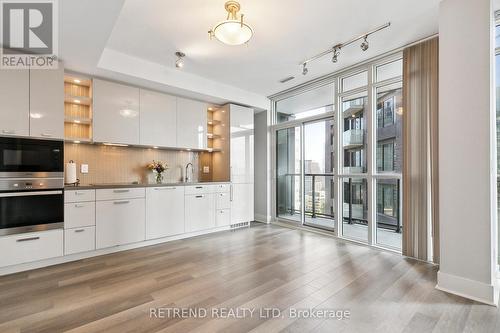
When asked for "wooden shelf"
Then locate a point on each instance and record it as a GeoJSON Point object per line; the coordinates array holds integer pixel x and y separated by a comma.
{"type": "Point", "coordinates": [81, 140]}
{"type": "Point", "coordinates": [78, 120]}
{"type": "Point", "coordinates": [83, 100]}
{"type": "Point", "coordinates": [214, 122]}
{"type": "Point", "coordinates": [213, 136]}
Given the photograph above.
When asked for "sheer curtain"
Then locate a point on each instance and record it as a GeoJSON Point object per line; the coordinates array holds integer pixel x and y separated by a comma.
{"type": "Point", "coordinates": [420, 151]}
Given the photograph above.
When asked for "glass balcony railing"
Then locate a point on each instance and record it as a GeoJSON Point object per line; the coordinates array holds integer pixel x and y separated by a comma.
{"type": "Point", "coordinates": [353, 138]}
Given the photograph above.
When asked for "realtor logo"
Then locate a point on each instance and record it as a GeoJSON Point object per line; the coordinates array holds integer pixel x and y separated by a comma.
{"type": "Point", "coordinates": [29, 34]}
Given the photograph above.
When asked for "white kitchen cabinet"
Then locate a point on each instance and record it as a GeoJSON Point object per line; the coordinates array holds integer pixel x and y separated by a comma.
{"type": "Point", "coordinates": [79, 195]}
{"type": "Point", "coordinates": [222, 201]}
{"type": "Point", "coordinates": [158, 119]}
{"type": "Point", "coordinates": [120, 193]}
{"type": "Point", "coordinates": [201, 189]}
{"type": "Point", "coordinates": [191, 124]}
{"type": "Point", "coordinates": [242, 203]}
{"type": "Point", "coordinates": [47, 103]}
{"type": "Point", "coordinates": [164, 211]}
{"type": "Point", "coordinates": [22, 248]}
{"type": "Point", "coordinates": [79, 240]}
{"type": "Point", "coordinates": [199, 212]}
{"type": "Point", "coordinates": [222, 217]}
{"type": "Point", "coordinates": [116, 113]}
{"type": "Point", "coordinates": [79, 214]}
{"type": "Point", "coordinates": [120, 222]}
{"type": "Point", "coordinates": [14, 98]}
{"type": "Point", "coordinates": [242, 144]}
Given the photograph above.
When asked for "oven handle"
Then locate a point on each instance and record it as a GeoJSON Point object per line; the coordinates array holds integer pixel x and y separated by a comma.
{"type": "Point", "coordinates": [29, 194]}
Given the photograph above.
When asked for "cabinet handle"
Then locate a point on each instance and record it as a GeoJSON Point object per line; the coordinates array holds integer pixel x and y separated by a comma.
{"type": "Point", "coordinates": [27, 239]}
{"type": "Point", "coordinates": [80, 230]}
{"type": "Point", "coordinates": [199, 196]}
{"type": "Point", "coordinates": [8, 132]}
{"type": "Point", "coordinates": [198, 187]}
{"type": "Point", "coordinates": [231, 193]}
{"type": "Point", "coordinates": [79, 206]}
{"type": "Point", "coordinates": [121, 202]}
{"type": "Point", "coordinates": [165, 188]}
{"type": "Point", "coordinates": [79, 193]}
{"type": "Point", "coordinates": [121, 191]}
{"type": "Point", "coordinates": [47, 135]}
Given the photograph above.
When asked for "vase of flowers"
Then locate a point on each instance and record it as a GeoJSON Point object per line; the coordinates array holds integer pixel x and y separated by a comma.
{"type": "Point", "coordinates": [158, 167]}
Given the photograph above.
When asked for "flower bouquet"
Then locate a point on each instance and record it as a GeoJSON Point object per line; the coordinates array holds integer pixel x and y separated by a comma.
{"type": "Point", "coordinates": [158, 167]}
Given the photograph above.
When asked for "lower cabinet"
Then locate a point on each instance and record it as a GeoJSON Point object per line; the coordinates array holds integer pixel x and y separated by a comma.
{"type": "Point", "coordinates": [199, 212]}
{"type": "Point", "coordinates": [223, 217]}
{"type": "Point", "coordinates": [23, 248]}
{"type": "Point", "coordinates": [120, 222]}
{"type": "Point", "coordinates": [242, 202]}
{"type": "Point", "coordinates": [79, 240]}
{"type": "Point", "coordinates": [164, 211]}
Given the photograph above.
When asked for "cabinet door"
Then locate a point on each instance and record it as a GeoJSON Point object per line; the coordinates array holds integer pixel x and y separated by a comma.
{"type": "Point", "coordinates": [199, 212]}
{"type": "Point", "coordinates": [116, 113]}
{"type": "Point", "coordinates": [242, 203]}
{"type": "Point", "coordinates": [164, 211]}
{"type": "Point", "coordinates": [47, 103]}
{"type": "Point", "coordinates": [242, 144]}
{"type": "Point", "coordinates": [79, 214]}
{"type": "Point", "coordinates": [120, 222]}
{"type": "Point", "coordinates": [79, 240]}
{"type": "Point", "coordinates": [14, 98]}
{"type": "Point", "coordinates": [158, 119]}
{"type": "Point", "coordinates": [191, 124]}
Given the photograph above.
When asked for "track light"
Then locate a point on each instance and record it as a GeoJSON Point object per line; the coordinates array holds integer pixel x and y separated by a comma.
{"type": "Point", "coordinates": [179, 63]}
{"type": "Point", "coordinates": [304, 69]}
{"type": "Point", "coordinates": [365, 45]}
{"type": "Point", "coordinates": [336, 53]}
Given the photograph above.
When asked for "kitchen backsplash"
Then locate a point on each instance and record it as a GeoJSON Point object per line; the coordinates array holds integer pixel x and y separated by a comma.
{"type": "Point", "coordinates": [111, 164]}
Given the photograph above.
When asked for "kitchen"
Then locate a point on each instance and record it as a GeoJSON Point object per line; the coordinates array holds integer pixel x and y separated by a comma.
{"type": "Point", "coordinates": [74, 176]}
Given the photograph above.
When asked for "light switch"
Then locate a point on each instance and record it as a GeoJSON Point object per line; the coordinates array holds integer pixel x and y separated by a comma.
{"type": "Point", "coordinates": [206, 169]}
{"type": "Point", "coordinates": [84, 168]}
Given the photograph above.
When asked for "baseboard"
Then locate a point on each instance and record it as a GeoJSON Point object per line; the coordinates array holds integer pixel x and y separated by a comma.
{"type": "Point", "coordinates": [78, 256]}
{"type": "Point", "coordinates": [262, 218]}
{"type": "Point", "coordinates": [471, 289]}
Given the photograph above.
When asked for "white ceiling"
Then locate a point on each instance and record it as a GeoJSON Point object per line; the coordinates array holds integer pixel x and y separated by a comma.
{"type": "Point", "coordinates": [121, 39]}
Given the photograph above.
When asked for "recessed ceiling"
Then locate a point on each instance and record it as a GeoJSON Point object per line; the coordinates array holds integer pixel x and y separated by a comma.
{"type": "Point", "coordinates": [286, 32]}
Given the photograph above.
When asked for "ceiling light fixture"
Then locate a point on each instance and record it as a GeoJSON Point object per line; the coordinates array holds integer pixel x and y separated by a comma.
{"type": "Point", "coordinates": [179, 63]}
{"type": "Point", "coordinates": [304, 69]}
{"type": "Point", "coordinates": [364, 46]}
{"type": "Point", "coordinates": [336, 49]}
{"type": "Point", "coordinates": [232, 31]}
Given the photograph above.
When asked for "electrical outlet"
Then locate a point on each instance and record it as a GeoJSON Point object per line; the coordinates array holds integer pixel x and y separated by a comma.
{"type": "Point", "coordinates": [84, 168]}
{"type": "Point", "coordinates": [206, 169]}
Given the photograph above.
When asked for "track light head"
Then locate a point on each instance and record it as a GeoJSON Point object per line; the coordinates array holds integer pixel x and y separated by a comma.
{"type": "Point", "coordinates": [336, 53]}
{"type": "Point", "coordinates": [365, 45]}
{"type": "Point", "coordinates": [179, 63]}
{"type": "Point", "coordinates": [304, 69]}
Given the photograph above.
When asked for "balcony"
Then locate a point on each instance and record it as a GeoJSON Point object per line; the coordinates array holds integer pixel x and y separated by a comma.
{"type": "Point", "coordinates": [357, 211]}
{"type": "Point", "coordinates": [353, 138]}
{"type": "Point", "coordinates": [352, 170]}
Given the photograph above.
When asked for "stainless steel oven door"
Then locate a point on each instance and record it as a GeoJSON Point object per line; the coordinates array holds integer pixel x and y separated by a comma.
{"type": "Point", "coordinates": [28, 211]}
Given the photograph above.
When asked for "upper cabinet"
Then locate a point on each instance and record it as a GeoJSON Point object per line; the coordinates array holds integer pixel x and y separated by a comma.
{"type": "Point", "coordinates": [14, 98]}
{"type": "Point", "coordinates": [191, 124]}
{"type": "Point", "coordinates": [242, 144]}
{"type": "Point", "coordinates": [158, 119]}
{"type": "Point", "coordinates": [116, 113]}
{"type": "Point", "coordinates": [46, 102]}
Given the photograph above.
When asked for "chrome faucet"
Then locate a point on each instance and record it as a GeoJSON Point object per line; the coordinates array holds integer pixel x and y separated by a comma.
{"type": "Point", "coordinates": [187, 178]}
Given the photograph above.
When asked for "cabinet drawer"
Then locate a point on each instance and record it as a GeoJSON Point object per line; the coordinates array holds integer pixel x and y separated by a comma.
{"type": "Point", "coordinates": [120, 193]}
{"type": "Point", "coordinates": [222, 188]}
{"type": "Point", "coordinates": [223, 217]}
{"type": "Point", "coordinates": [79, 240]}
{"type": "Point", "coordinates": [31, 247]}
{"type": "Point", "coordinates": [200, 189]}
{"type": "Point", "coordinates": [223, 201]}
{"type": "Point", "coordinates": [79, 214]}
{"type": "Point", "coordinates": [79, 195]}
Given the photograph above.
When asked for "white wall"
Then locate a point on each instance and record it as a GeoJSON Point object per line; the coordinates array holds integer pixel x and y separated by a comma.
{"type": "Point", "coordinates": [467, 159]}
{"type": "Point", "coordinates": [262, 166]}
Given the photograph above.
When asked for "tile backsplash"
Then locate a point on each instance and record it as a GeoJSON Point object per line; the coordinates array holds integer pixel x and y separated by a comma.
{"type": "Point", "coordinates": [110, 164]}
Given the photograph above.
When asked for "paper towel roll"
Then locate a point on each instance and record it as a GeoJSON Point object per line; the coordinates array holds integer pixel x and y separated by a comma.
{"type": "Point", "coordinates": [70, 173]}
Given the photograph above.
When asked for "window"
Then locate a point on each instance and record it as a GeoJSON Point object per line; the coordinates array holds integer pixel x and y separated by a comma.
{"type": "Point", "coordinates": [385, 112]}
{"type": "Point", "coordinates": [385, 156]}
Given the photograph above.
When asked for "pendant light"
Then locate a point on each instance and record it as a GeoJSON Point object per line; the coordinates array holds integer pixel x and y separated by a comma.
{"type": "Point", "coordinates": [232, 31]}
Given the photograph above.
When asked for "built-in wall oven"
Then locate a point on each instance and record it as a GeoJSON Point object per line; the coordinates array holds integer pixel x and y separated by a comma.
{"type": "Point", "coordinates": [31, 185]}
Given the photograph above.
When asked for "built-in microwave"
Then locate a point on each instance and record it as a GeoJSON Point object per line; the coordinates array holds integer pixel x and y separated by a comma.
{"type": "Point", "coordinates": [31, 158]}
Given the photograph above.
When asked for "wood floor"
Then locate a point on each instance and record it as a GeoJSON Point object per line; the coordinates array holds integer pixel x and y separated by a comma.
{"type": "Point", "coordinates": [258, 267]}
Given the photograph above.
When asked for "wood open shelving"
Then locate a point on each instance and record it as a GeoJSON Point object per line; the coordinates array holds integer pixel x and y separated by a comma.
{"type": "Point", "coordinates": [77, 109]}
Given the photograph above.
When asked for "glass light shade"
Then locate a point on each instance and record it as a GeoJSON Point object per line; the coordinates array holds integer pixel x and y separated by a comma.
{"type": "Point", "coordinates": [232, 32]}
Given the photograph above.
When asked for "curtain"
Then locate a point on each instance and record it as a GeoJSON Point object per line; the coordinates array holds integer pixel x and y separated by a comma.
{"type": "Point", "coordinates": [420, 151]}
